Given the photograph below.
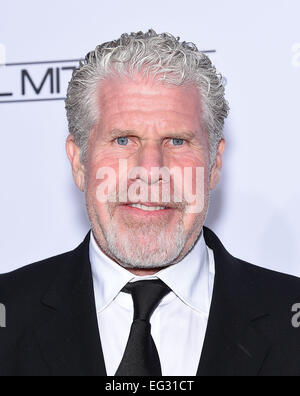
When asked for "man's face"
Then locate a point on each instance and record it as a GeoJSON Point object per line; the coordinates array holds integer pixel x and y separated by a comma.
{"type": "Point", "coordinates": [148, 125]}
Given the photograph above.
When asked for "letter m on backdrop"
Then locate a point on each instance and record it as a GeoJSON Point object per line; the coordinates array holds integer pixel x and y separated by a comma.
{"type": "Point", "coordinates": [2, 315]}
{"type": "Point", "coordinates": [37, 88]}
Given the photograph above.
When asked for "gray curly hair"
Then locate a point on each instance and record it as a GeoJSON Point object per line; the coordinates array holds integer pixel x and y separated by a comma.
{"type": "Point", "coordinates": [160, 55]}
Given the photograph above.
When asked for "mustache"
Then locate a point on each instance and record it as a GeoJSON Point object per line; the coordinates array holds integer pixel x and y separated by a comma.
{"type": "Point", "coordinates": [174, 202]}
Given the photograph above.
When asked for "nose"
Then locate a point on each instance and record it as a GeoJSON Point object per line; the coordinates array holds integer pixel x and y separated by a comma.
{"type": "Point", "coordinates": [150, 158]}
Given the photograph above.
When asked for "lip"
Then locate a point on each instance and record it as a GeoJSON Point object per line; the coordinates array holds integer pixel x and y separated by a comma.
{"type": "Point", "coordinates": [140, 212]}
{"type": "Point", "coordinates": [148, 204]}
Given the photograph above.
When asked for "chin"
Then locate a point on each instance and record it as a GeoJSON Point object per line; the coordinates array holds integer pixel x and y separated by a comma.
{"type": "Point", "coordinates": [146, 253]}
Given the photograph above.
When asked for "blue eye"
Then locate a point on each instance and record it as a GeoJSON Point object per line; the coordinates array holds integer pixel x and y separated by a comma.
{"type": "Point", "coordinates": [178, 142]}
{"type": "Point", "coordinates": [123, 141]}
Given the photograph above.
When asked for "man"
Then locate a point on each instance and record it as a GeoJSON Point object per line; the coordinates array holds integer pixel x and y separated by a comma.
{"type": "Point", "coordinates": [150, 291]}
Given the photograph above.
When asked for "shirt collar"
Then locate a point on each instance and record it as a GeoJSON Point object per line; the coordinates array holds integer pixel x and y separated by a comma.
{"type": "Point", "coordinates": [190, 279]}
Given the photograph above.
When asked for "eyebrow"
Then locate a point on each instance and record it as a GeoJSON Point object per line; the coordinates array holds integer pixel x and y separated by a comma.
{"type": "Point", "coordinates": [188, 135]}
{"type": "Point", "coordinates": [116, 133]}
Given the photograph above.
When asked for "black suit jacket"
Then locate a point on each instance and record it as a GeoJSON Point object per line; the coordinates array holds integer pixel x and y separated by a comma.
{"type": "Point", "coordinates": [52, 327]}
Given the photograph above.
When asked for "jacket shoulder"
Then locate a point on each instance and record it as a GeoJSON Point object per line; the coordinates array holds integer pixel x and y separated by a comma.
{"type": "Point", "coordinates": [249, 278]}
{"type": "Point", "coordinates": [31, 280]}
{"type": "Point", "coordinates": [278, 283]}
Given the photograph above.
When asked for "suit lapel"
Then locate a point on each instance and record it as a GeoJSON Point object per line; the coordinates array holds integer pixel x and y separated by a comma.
{"type": "Point", "coordinates": [233, 345]}
{"type": "Point", "coordinates": [70, 340]}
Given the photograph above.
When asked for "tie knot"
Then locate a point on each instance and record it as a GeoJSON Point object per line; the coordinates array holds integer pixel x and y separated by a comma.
{"type": "Point", "coordinates": [146, 297]}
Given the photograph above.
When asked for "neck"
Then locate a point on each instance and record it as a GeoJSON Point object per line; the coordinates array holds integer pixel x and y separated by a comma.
{"type": "Point", "coordinates": [143, 271]}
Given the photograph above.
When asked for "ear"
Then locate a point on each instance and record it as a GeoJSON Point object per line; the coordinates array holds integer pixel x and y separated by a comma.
{"type": "Point", "coordinates": [217, 168]}
{"type": "Point", "coordinates": [73, 152]}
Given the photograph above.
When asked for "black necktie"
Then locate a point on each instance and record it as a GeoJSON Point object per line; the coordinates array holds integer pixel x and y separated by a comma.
{"type": "Point", "coordinates": [141, 356]}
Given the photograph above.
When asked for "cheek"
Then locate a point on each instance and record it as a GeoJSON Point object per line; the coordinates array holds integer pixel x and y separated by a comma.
{"type": "Point", "coordinates": [100, 158]}
{"type": "Point", "coordinates": [192, 156]}
{"type": "Point", "coordinates": [191, 169]}
{"type": "Point", "coordinates": [101, 179]}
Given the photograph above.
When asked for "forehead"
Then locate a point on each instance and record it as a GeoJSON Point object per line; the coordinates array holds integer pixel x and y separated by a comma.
{"type": "Point", "coordinates": [123, 100]}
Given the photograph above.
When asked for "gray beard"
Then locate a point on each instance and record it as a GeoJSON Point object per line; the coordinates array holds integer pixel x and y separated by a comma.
{"type": "Point", "coordinates": [162, 251]}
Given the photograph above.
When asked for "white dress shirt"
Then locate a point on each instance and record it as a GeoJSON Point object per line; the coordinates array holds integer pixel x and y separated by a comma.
{"type": "Point", "coordinates": [178, 324]}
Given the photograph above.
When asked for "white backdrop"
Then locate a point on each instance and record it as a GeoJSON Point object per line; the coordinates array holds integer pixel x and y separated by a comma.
{"type": "Point", "coordinates": [255, 209]}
